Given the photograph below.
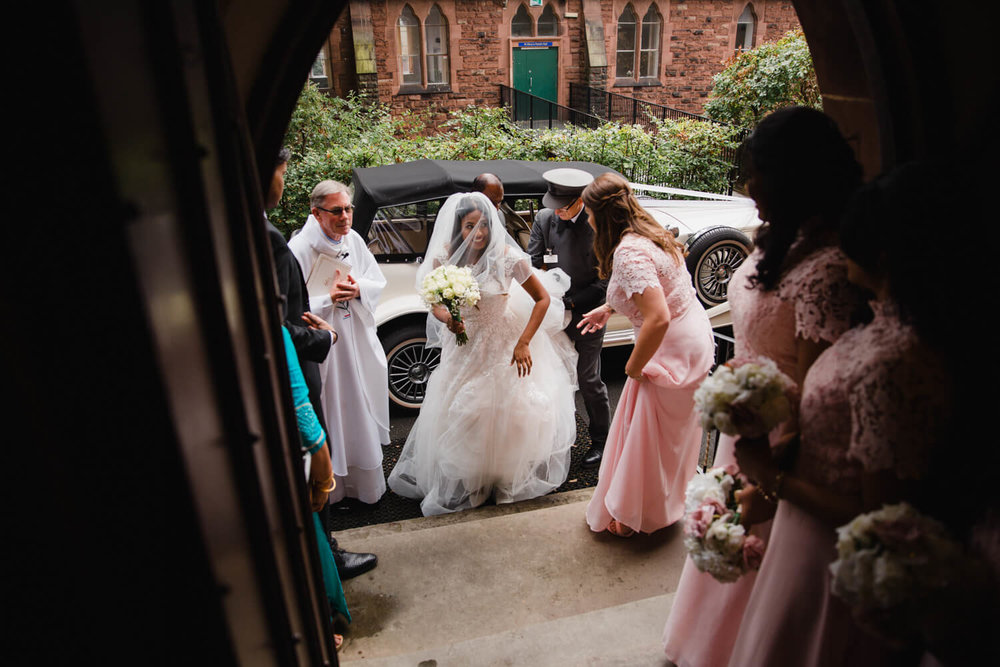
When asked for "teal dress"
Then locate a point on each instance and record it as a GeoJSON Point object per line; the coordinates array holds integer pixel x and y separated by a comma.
{"type": "Point", "coordinates": [312, 438]}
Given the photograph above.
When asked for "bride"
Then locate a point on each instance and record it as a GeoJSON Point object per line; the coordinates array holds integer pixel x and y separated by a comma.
{"type": "Point", "coordinates": [498, 416]}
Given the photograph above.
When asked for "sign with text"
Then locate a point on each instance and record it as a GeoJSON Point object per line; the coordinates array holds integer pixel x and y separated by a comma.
{"type": "Point", "coordinates": [535, 45]}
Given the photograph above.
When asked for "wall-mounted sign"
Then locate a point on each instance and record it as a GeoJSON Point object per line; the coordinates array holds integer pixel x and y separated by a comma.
{"type": "Point", "coordinates": [533, 45]}
{"type": "Point", "coordinates": [535, 3]}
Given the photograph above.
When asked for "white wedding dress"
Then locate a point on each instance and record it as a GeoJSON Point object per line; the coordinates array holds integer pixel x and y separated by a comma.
{"type": "Point", "coordinates": [482, 430]}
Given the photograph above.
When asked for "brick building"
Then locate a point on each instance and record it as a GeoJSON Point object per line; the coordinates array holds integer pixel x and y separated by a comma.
{"type": "Point", "coordinates": [447, 54]}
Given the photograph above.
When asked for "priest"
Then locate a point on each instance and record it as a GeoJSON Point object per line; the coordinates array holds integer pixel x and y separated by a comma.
{"type": "Point", "coordinates": [355, 392]}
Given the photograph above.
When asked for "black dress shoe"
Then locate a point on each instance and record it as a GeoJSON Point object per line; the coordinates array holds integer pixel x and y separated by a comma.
{"type": "Point", "coordinates": [350, 564]}
{"type": "Point", "coordinates": [593, 456]}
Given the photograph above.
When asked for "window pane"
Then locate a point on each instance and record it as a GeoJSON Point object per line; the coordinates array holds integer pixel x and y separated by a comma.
{"type": "Point", "coordinates": [317, 68]}
{"type": "Point", "coordinates": [625, 58]}
{"type": "Point", "coordinates": [409, 46]}
{"type": "Point", "coordinates": [437, 69]}
{"type": "Point", "coordinates": [548, 22]}
{"type": "Point", "coordinates": [745, 30]}
{"type": "Point", "coordinates": [649, 57]}
{"type": "Point", "coordinates": [522, 25]}
{"type": "Point", "coordinates": [436, 28]}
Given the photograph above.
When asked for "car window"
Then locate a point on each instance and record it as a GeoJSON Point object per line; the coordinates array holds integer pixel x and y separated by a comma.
{"type": "Point", "coordinates": [402, 230]}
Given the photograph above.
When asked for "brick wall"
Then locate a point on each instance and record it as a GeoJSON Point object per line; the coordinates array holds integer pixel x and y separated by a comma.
{"type": "Point", "coordinates": [697, 37]}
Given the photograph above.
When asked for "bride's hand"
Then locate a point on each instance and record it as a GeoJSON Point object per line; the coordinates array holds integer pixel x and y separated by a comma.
{"type": "Point", "coordinates": [455, 327]}
{"type": "Point", "coordinates": [522, 357]}
{"type": "Point", "coordinates": [595, 319]}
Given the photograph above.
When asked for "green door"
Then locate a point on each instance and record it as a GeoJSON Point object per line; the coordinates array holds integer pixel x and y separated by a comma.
{"type": "Point", "coordinates": [536, 72]}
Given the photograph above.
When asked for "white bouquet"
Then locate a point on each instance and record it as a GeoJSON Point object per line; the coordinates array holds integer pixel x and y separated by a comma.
{"type": "Point", "coordinates": [713, 535]}
{"type": "Point", "coordinates": [895, 568]}
{"type": "Point", "coordinates": [745, 397]}
{"type": "Point", "coordinates": [452, 287]}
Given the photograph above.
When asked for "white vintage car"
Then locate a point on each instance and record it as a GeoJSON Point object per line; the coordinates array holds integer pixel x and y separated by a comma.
{"type": "Point", "coordinates": [395, 207]}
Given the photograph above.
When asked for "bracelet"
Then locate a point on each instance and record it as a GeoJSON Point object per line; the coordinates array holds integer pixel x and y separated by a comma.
{"type": "Point", "coordinates": [779, 479]}
{"type": "Point", "coordinates": [332, 482]}
{"type": "Point", "coordinates": [764, 494]}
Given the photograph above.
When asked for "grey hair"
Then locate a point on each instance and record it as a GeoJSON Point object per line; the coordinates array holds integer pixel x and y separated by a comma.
{"type": "Point", "coordinates": [325, 188]}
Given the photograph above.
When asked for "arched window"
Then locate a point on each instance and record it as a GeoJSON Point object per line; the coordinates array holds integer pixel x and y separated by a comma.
{"type": "Point", "coordinates": [409, 47]}
{"type": "Point", "coordinates": [625, 56]}
{"type": "Point", "coordinates": [548, 22]}
{"type": "Point", "coordinates": [436, 31]}
{"type": "Point", "coordinates": [649, 51]}
{"type": "Point", "coordinates": [522, 25]}
{"type": "Point", "coordinates": [746, 28]}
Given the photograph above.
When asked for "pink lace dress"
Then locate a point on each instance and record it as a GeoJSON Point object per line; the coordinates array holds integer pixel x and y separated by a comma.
{"type": "Point", "coordinates": [869, 403]}
{"type": "Point", "coordinates": [652, 447]}
{"type": "Point", "coordinates": [812, 301]}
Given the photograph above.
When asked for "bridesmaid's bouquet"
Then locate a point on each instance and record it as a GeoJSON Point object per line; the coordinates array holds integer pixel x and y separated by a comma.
{"type": "Point", "coordinates": [713, 535]}
{"type": "Point", "coordinates": [745, 397]}
{"type": "Point", "coordinates": [452, 287]}
{"type": "Point", "coordinates": [898, 570]}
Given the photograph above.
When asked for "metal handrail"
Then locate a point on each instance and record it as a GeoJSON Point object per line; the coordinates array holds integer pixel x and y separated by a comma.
{"type": "Point", "coordinates": [540, 112]}
{"type": "Point", "coordinates": [622, 108]}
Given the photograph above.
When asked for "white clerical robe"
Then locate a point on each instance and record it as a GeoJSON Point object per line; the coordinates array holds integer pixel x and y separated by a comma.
{"type": "Point", "coordinates": [355, 379]}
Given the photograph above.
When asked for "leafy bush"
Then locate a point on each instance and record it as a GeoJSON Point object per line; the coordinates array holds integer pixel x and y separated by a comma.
{"type": "Point", "coordinates": [330, 136]}
{"type": "Point", "coordinates": [756, 82]}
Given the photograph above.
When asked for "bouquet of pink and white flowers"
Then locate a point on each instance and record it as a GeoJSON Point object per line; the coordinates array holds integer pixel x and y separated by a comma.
{"type": "Point", "coordinates": [452, 287]}
{"type": "Point", "coordinates": [713, 535]}
{"type": "Point", "coordinates": [745, 397]}
{"type": "Point", "coordinates": [896, 569]}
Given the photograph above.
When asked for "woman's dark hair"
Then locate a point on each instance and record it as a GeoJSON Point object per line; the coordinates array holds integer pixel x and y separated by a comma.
{"type": "Point", "coordinates": [803, 172]}
{"type": "Point", "coordinates": [886, 229]}
{"type": "Point", "coordinates": [616, 212]}
{"type": "Point", "coordinates": [466, 206]}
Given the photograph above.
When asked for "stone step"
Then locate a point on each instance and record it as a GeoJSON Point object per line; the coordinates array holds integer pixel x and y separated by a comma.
{"type": "Point", "coordinates": [479, 580]}
{"type": "Point", "coordinates": [625, 635]}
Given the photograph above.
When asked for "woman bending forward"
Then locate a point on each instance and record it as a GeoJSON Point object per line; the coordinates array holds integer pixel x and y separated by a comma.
{"type": "Point", "coordinates": [653, 444]}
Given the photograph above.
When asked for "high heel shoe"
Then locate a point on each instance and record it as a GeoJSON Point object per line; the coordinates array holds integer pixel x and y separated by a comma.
{"type": "Point", "coordinates": [620, 529]}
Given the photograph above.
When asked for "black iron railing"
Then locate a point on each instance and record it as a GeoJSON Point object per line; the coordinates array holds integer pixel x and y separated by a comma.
{"type": "Point", "coordinates": [621, 108]}
{"type": "Point", "coordinates": [537, 112]}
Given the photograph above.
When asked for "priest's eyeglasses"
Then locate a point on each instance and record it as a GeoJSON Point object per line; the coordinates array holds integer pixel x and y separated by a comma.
{"type": "Point", "coordinates": [338, 210]}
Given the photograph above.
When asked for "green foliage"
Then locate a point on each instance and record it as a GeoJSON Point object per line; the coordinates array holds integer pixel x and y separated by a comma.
{"type": "Point", "coordinates": [756, 82]}
{"type": "Point", "coordinates": [330, 136]}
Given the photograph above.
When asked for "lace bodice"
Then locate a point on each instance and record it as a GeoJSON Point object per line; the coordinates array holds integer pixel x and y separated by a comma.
{"type": "Point", "coordinates": [813, 300]}
{"type": "Point", "coordinates": [639, 263]}
{"type": "Point", "coordinates": [871, 402]}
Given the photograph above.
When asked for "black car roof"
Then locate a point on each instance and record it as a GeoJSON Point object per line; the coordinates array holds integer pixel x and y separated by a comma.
{"type": "Point", "coordinates": [421, 180]}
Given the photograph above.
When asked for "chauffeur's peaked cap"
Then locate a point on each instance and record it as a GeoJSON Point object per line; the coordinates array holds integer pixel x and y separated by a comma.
{"type": "Point", "coordinates": [565, 186]}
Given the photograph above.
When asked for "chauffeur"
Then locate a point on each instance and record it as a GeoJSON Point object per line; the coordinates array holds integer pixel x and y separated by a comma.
{"type": "Point", "coordinates": [561, 237]}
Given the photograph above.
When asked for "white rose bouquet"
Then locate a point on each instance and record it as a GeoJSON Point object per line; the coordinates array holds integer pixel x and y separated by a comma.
{"type": "Point", "coordinates": [713, 535]}
{"type": "Point", "coordinates": [745, 397]}
{"type": "Point", "coordinates": [452, 287]}
{"type": "Point", "coordinates": [895, 569]}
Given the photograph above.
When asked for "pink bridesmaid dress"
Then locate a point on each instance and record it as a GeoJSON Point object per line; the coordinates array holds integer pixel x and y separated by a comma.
{"type": "Point", "coordinates": [871, 402]}
{"type": "Point", "coordinates": [813, 301]}
{"type": "Point", "coordinates": [652, 447]}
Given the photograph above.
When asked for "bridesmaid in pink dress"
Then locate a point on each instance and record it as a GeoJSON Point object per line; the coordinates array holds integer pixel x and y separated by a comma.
{"type": "Point", "coordinates": [874, 406]}
{"type": "Point", "coordinates": [652, 447]}
{"type": "Point", "coordinates": [789, 315]}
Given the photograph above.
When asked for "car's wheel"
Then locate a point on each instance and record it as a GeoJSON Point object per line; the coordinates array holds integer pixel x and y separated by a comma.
{"type": "Point", "coordinates": [714, 254]}
{"type": "Point", "coordinates": [410, 364]}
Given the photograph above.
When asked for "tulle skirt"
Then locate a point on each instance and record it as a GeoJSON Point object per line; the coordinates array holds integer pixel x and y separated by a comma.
{"type": "Point", "coordinates": [482, 430]}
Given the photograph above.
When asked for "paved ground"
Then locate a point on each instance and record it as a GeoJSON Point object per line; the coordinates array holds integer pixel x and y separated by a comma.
{"type": "Point", "coordinates": [352, 514]}
{"type": "Point", "coordinates": [524, 584]}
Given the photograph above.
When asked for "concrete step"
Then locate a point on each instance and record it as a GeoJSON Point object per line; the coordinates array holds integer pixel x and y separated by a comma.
{"type": "Point", "coordinates": [520, 584]}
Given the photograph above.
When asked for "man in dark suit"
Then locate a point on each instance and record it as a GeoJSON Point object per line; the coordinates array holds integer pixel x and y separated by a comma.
{"type": "Point", "coordinates": [312, 338]}
{"type": "Point", "coordinates": [562, 237]}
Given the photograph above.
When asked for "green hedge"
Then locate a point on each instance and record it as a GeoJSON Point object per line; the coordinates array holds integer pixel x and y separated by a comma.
{"type": "Point", "coordinates": [330, 136]}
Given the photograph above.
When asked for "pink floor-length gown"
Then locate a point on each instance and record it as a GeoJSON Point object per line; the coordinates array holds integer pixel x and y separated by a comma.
{"type": "Point", "coordinates": [871, 402]}
{"type": "Point", "coordinates": [813, 300]}
{"type": "Point", "coordinates": [653, 443]}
